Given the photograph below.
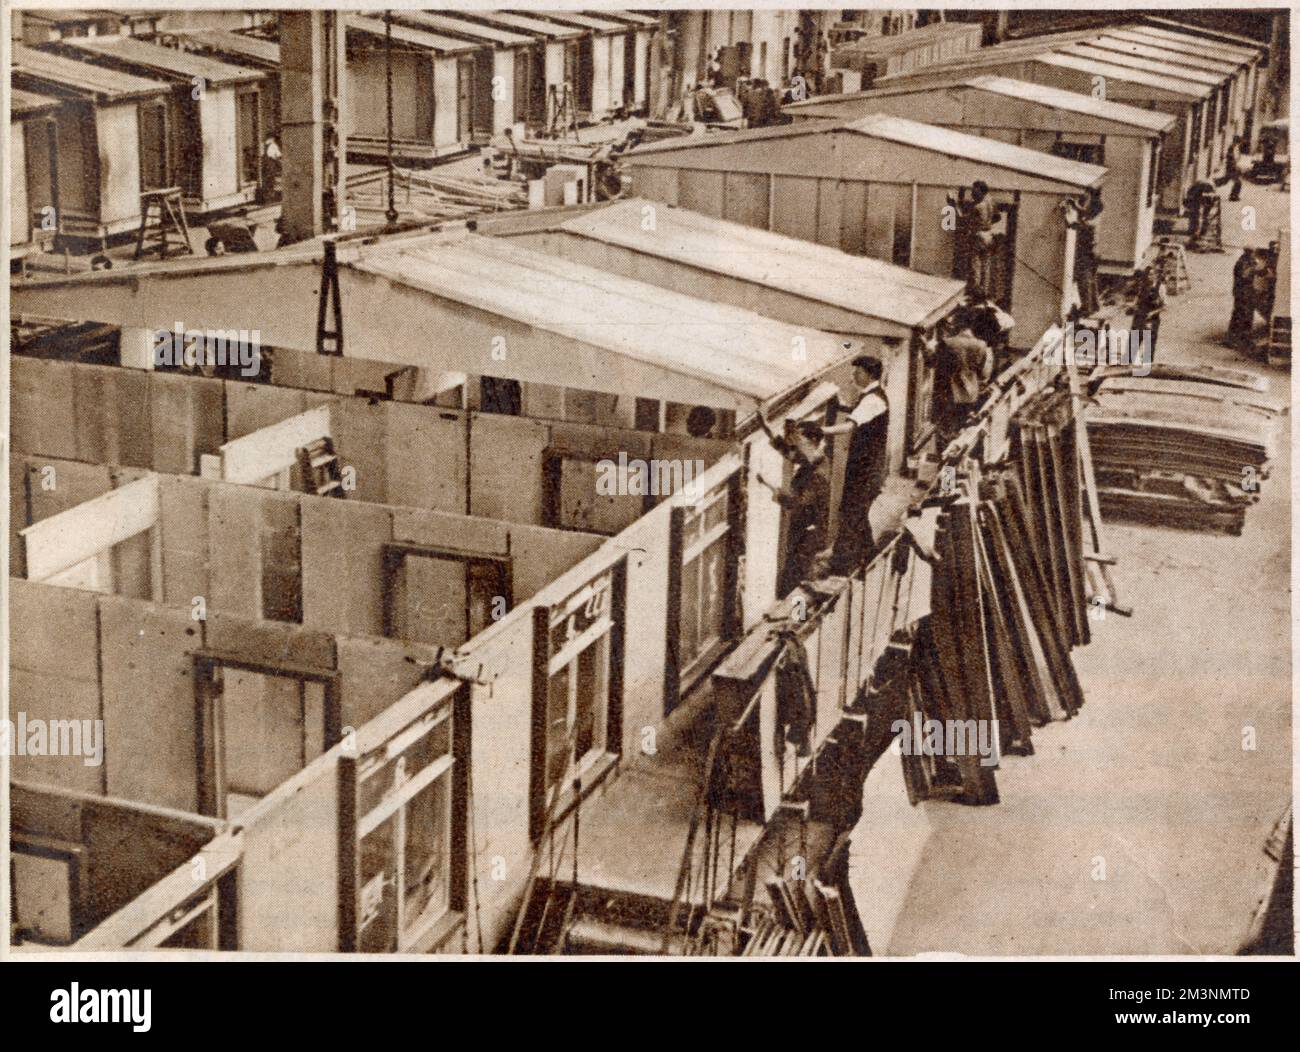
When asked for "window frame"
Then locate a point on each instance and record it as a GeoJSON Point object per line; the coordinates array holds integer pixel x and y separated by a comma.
{"type": "Point", "coordinates": [393, 559]}
{"type": "Point", "coordinates": [424, 933]}
{"type": "Point", "coordinates": [587, 626]}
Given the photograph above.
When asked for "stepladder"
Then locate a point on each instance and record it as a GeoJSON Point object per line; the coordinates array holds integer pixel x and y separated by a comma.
{"type": "Point", "coordinates": [163, 226]}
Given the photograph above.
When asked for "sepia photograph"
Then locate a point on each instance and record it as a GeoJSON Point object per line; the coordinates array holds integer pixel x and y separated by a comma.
{"type": "Point", "coordinates": [686, 482]}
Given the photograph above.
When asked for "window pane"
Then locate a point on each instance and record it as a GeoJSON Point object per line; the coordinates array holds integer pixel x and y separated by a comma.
{"type": "Point", "coordinates": [426, 870]}
{"type": "Point", "coordinates": [711, 597]}
{"type": "Point", "coordinates": [557, 726]}
{"type": "Point", "coordinates": [377, 906]}
{"type": "Point", "coordinates": [592, 698]}
{"type": "Point", "coordinates": [688, 625]}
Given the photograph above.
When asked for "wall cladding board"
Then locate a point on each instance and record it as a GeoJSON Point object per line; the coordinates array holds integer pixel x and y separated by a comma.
{"type": "Point", "coordinates": [506, 467]}
{"type": "Point", "coordinates": [148, 698]}
{"type": "Point", "coordinates": [54, 675]}
{"type": "Point", "coordinates": [183, 536]}
{"type": "Point", "coordinates": [113, 420]}
{"type": "Point", "coordinates": [342, 565]}
{"type": "Point", "coordinates": [376, 673]}
{"type": "Point", "coordinates": [250, 407]}
{"type": "Point", "coordinates": [426, 457]}
{"type": "Point", "coordinates": [361, 440]}
{"type": "Point", "coordinates": [188, 416]}
{"type": "Point", "coordinates": [43, 417]}
{"type": "Point", "coordinates": [234, 550]}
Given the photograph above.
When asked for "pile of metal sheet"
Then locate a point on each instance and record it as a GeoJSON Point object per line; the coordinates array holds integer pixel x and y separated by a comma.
{"type": "Point", "coordinates": [1182, 447]}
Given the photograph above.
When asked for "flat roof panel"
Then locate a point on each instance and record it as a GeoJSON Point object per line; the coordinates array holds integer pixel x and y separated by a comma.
{"type": "Point", "coordinates": [445, 23]}
{"type": "Point", "coordinates": [252, 48]}
{"type": "Point", "coordinates": [1146, 65]}
{"type": "Point", "coordinates": [374, 27]}
{"type": "Point", "coordinates": [1185, 88]}
{"type": "Point", "coordinates": [1182, 45]}
{"type": "Point", "coordinates": [29, 103]}
{"type": "Point", "coordinates": [168, 61]}
{"type": "Point", "coordinates": [83, 76]}
{"type": "Point", "coordinates": [597, 25]}
{"type": "Point", "coordinates": [539, 26]}
{"type": "Point", "coordinates": [1145, 49]}
{"type": "Point", "coordinates": [859, 284]}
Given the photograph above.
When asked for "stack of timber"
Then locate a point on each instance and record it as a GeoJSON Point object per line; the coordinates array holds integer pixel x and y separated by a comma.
{"type": "Point", "coordinates": [1185, 448]}
{"type": "Point", "coordinates": [425, 196]}
{"type": "Point", "coordinates": [1007, 605]}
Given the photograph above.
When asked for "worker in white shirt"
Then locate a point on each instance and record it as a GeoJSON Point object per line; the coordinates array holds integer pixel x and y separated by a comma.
{"type": "Point", "coordinates": [864, 469]}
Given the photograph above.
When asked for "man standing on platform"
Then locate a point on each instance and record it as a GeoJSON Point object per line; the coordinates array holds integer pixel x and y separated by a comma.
{"type": "Point", "coordinates": [865, 467]}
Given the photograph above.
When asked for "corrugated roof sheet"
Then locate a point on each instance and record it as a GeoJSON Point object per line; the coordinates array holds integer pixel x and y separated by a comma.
{"type": "Point", "coordinates": [907, 133]}
{"type": "Point", "coordinates": [83, 77]}
{"type": "Point", "coordinates": [1186, 88]}
{"type": "Point", "coordinates": [539, 26]}
{"type": "Point", "coordinates": [226, 42]}
{"type": "Point", "coordinates": [443, 22]}
{"type": "Point", "coordinates": [1146, 65]}
{"type": "Point", "coordinates": [422, 38]}
{"type": "Point", "coordinates": [599, 25]}
{"type": "Point", "coordinates": [1077, 102]}
{"type": "Point", "coordinates": [859, 284]}
{"type": "Point", "coordinates": [164, 60]}
{"type": "Point", "coordinates": [28, 103]}
{"type": "Point", "coordinates": [722, 347]}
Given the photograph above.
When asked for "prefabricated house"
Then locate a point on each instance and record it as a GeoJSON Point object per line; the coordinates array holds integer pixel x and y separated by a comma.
{"type": "Point", "coordinates": [637, 70]}
{"type": "Point", "coordinates": [886, 309]}
{"type": "Point", "coordinates": [601, 55]}
{"type": "Point", "coordinates": [104, 136]}
{"type": "Point", "coordinates": [1181, 147]}
{"type": "Point", "coordinates": [492, 73]}
{"type": "Point", "coordinates": [244, 50]}
{"type": "Point", "coordinates": [33, 116]}
{"type": "Point", "coordinates": [206, 136]}
{"type": "Point", "coordinates": [909, 51]}
{"type": "Point", "coordinates": [883, 186]}
{"type": "Point", "coordinates": [433, 91]}
{"type": "Point", "coordinates": [542, 68]}
{"type": "Point", "coordinates": [466, 754]}
{"type": "Point", "coordinates": [1125, 139]}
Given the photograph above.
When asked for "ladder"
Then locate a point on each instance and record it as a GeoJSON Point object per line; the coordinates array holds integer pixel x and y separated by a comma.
{"type": "Point", "coordinates": [157, 233]}
{"type": "Point", "coordinates": [561, 113]}
{"type": "Point", "coordinates": [1171, 264]}
{"type": "Point", "coordinates": [318, 465]}
{"type": "Point", "coordinates": [1211, 239]}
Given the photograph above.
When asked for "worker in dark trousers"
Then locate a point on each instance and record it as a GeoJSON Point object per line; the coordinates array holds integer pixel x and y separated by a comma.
{"type": "Point", "coordinates": [1151, 298]}
{"type": "Point", "coordinates": [1232, 170]}
{"type": "Point", "coordinates": [864, 468]}
{"type": "Point", "coordinates": [1243, 302]}
{"type": "Point", "coordinates": [1200, 203]}
{"type": "Point", "coordinates": [1082, 217]}
{"type": "Point", "coordinates": [806, 499]}
{"type": "Point", "coordinates": [975, 219]}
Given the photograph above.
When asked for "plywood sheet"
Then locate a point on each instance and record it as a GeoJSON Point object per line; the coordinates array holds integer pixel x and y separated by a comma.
{"type": "Point", "coordinates": [148, 699]}
{"type": "Point", "coordinates": [426, 457]}
{"type": "Point", "coordinates": [41, 403]}
{"type": "Point", "coordinates": [272, 641]}
{"type": "Point", "coordinates": [506, 467]}
{"type": "Point", "coordinates": [342, 565]}
{"type": "Point", "coordinates": [747, 198]}
{"type": "Point", "coordinates": [234, 550]}
{"type": "Point", "coordinates": [250, 407]}
{"type": "Point", "coordinates": [113, 424]}
{"type": "Point", "coordinates": [360, 439]}
{"type": "Point", "coordinates": [183, 534]}
{"type": "Point", "coordinates": [188, 419]}
{"type": "Point", "coordinates": [375, 673]}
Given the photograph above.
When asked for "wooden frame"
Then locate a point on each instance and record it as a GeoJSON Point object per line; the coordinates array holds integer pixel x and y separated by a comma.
{"type": "Point", "coordinates": [553, 460]}
{"type": "Point", "coordinates": [677, 680]}
{"type": "Point", "coordinates": [582, 618]}
{"type": "Point", "coordinates": [209, 731]}
{"type": "Point", "coordinates": [242, 93]}
{"type": "Point", "coordinates": [52, 850]}
{"type": "Point", "coordinates": [354, 771]}
{"type": "Point", "coordinates": [395, 554]}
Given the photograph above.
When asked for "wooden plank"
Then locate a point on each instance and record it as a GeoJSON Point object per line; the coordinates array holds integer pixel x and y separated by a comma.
{"type": "Point", "coordinates": [79, 533]}
{"type": "Point", "coordinates": [269, 450]}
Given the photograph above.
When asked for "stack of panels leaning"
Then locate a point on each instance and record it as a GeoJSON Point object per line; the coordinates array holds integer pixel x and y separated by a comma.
{"type": "Point", "coordinates": [1182, 447]}
{"type": "Point", "coordinates": [1007, 605]}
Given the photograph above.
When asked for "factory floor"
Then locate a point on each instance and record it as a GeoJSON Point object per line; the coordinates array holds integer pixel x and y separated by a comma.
{"type": "Point", "coordinates": [1139, 826]}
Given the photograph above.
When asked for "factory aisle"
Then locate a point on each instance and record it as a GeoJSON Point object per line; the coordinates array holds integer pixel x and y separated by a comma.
{"type": "Point", "coordinates": [1139, 826]}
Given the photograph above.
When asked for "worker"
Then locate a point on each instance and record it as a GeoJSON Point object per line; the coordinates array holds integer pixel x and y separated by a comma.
{"type": "Point", "coordinates": [700, 421]}
{"type": "Point", "coordinates": [1082, 217]}
{"type": "Point", "coordinates": [975, 219]}
{"type": "Point", "coordinates": [1232, 169]}
{"type": "Point", "coordinates": [963, 365]}
{"type": "Point", "coordinates": [271, 158]}
{"type": "Point", "coordinates": [1263, 285]}
{"type": "Point", "coordinates": [1200, 202]}
{"type": "Point", "coordinates": [100, 262]}
{"type": "Point", "coordinates": [1243, 307]}
{"type": "Point", "coordinates": [806, 499]}
{"type": "Point", "coordinates": [864, 467]}
{"type": "Point", "coordinates": [1151, 299]}
{"type": "Point", "coordinates": [214, 246]}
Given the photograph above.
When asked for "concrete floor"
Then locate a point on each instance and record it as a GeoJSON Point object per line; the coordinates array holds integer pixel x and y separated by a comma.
{"type": "Point", "coordinates": [1138, 826]}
